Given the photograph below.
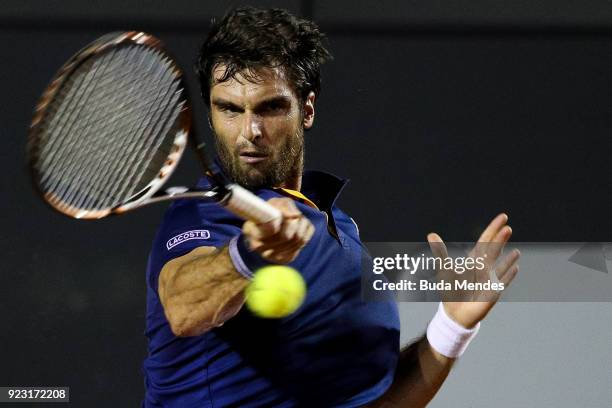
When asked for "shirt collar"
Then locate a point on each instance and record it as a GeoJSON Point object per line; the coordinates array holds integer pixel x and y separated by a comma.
{"type": "Point", "coordinates": [320, 187]}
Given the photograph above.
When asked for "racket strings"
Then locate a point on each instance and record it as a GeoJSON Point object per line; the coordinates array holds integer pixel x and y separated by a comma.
{"type": "Point", "coordinates": [111, 130]}
{"type": "Point", "coordinates": [108, 151]}
{"type": "Point", "coordinates": [110, 107]}
{"type": "Point", "coordinates": [61, 116]}
{"type": "Point", "coordinates": [141, 161]}
{"type": "Point", "coordinates": [78, 110]}
{"type": "Point", "coordinates": [143, 155]}
{"type": "Point", "coordinates": [138, 153]}
{"type": "Point", "coordinates": [95, 151]}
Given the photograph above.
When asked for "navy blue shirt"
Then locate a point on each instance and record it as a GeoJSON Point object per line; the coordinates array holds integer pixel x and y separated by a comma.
{"type": "Point", "coordinates": [336, 350]}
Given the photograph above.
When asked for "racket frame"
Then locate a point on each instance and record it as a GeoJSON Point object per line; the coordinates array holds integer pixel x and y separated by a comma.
{"type": "Point", "coordinates": [235, 198]}
{"type": "Point", "coordinates": [184, 123]}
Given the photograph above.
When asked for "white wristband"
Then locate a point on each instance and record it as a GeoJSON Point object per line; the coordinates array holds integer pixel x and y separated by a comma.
{"type": "Point", "coordinates": [448, 337]}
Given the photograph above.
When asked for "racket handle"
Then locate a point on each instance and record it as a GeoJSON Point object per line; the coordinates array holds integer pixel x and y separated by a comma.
{"type": "Point", "coordinates": [250, 207]}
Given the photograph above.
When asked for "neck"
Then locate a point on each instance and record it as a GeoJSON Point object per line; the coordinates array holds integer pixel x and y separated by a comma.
{"type": "Point", "coordinates": [294, 180]}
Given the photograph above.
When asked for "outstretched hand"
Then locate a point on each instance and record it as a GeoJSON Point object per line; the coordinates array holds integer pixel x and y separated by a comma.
{"type": "Point", "coordinates": [475, 305]}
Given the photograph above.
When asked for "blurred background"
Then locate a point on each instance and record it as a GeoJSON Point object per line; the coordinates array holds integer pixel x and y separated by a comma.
{"type": "Point", "coordinates": [442, 113]}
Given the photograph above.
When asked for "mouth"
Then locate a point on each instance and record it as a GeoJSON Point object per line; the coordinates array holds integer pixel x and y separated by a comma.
{"type": "Point", "coordinates": [252, 157]}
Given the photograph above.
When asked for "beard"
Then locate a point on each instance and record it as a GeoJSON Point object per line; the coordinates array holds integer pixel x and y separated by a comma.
{"type": "Point", "coordinates": [279, 167]}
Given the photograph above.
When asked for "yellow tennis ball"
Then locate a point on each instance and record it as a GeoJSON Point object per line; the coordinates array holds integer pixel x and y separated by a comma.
{"type": "Point", "coordinates": [275, 291]}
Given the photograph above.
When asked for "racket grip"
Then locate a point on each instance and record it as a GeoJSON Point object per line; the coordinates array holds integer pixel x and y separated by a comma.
{"type": "Point", "coordinates": [247, 205]}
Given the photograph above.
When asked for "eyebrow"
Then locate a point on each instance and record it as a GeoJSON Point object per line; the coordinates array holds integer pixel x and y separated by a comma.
{"type": "Point", "coordinates": [224, 103]}
{"type": "Point", "coordinates": [280, 99]}
{"type": "Point", "coordinates": [274, 100]}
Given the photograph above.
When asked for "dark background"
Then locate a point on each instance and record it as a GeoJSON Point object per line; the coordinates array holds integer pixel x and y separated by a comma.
{"type": "Point", "coordinates": [443, 113]}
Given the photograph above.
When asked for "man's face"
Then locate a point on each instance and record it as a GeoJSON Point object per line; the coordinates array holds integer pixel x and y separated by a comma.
{"type": "Point", "coordinates": [258, 128]}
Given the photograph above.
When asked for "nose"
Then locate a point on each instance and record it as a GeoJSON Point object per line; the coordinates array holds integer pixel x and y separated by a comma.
{"type": "Point", "coordinates": [252, 127]}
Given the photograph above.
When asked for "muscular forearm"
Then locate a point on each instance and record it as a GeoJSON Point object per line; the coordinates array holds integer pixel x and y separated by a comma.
{"type": "Point", "coordinates": [419, 375]}
{"type": "Point", "coordinates": [200, 291]}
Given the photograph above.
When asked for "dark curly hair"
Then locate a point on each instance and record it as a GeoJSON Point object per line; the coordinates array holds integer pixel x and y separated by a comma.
{"type": "Point", "coordinates": [247, 39]}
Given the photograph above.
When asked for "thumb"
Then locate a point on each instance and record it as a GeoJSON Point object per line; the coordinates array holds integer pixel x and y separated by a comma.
{"type": "Point", "coordinates": [437, 245]}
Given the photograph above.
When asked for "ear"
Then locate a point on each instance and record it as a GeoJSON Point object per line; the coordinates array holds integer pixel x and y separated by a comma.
{"type": "Point", "coordinates": [309, 110]}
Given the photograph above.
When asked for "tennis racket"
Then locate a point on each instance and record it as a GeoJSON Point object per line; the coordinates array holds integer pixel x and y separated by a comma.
{"type": "Point", "coordinates": [110, 129]}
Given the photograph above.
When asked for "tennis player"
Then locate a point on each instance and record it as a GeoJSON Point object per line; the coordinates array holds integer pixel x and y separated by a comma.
{"type": "Point", "coordinates": [259, 74]}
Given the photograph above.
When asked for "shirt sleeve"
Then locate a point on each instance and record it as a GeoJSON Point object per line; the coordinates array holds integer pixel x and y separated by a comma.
{"type": "Point", "coordinates": [189, 224]}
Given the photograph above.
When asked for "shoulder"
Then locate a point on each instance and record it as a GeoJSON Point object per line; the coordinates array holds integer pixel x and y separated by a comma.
{"type": "Point", "coordinates": [187, 214]}
{"type": "Point", "coordinates": [189, 224]}
{"type": "Point", "coordinates": [345, 221]}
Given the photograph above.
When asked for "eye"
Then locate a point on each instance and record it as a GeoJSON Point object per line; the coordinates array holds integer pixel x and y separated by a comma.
{"type": "Point", "coordinates": [274, 107]}
{"type": "Point", "coordinates": [229, 109]}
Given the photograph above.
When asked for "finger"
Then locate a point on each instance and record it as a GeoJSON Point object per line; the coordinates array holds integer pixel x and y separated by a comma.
{"type": "Point", "coordinates": [281, 245]}
{"type": "Point", "coordinates": [507, 263]}
{"type": "Point", "coordinates": [310, 230]}
{"type": "Point", "coordinates": [300, 233]}
{"type": "Point", "coordinates": [287, 251]}
{"type": "Point", "coordinates": [259, 231]}
{"type": "Point", "coordinates": [286, 236]}
{"type": "Point", "coordinates": [253, 244]}
{"type": "Point", "coordinates": [493, 228]}
{"type": "Point", "coordinates": [496, 246]}
{"type": "Point", "coordinates": [289, 229]}
{"type": "Point", "coordinates": [302, 230]}
{"type": "Point", "coordinates": [275, 253]}
{"type": "Point", "coordinates": [283, 254]}
{"type": "Point", "coordinates": [290, 252]}
{"type": "Point", "coordinates": [509, 276]}
{"type": "Point", "coordinates": [437, 245]}
{"type": "Point", "coordinates": [284, 258]}
{"type": "Point", "coordinates": [438, 249]}
{"type": "Point", "coordinates": [286, 206]}
{"type": "Point", "coordinates": [288, 211]}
